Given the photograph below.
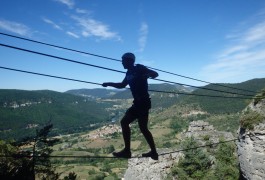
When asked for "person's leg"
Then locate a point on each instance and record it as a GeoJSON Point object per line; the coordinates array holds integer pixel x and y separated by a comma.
{"type": "Point", "coordinates": [126, 132]}
{"type": "Point", "coordinates": [143, 121]}
{"type": "Point", "coordinates": [143, 124]}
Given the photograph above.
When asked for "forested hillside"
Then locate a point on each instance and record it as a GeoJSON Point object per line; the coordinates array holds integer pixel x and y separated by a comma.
{"type": "Point", "coordinates": [23, 111]}
{"type": "Point", "coordinates": [225, 105]}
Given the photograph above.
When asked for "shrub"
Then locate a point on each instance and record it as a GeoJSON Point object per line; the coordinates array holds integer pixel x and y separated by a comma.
{"type": "Point", "coordinates": [227, 164]}
{"type": "Point", "coordinates": [196, 163]}
{"type": "Point", "coordinates": [259, 97]}
{"type": "Point", "coordinates": [250, 119]}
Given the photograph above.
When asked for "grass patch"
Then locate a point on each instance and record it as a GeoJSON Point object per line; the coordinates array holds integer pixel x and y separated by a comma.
{"type": "Point", "coordinates": [259, 97]}
{"type": "Point", "coordinates": [250, 119]}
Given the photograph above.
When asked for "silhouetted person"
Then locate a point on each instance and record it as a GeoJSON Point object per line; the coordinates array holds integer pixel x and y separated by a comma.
{"type": "Point", "coordinates": [136, 77]}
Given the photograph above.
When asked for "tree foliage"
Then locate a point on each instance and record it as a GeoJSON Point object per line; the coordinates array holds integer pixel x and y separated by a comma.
{"type": "Point", "coordinates": [12, 166]}
{"type": "Point", "coordinates": [29, 158]}
{"type": "Point", "coordinates": [195, 164]}
{"type": "Point", "coordinates": [226, 162]}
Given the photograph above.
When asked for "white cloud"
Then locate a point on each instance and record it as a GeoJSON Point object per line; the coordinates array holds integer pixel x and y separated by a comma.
{"type": "Point", "coordinates": [85, 26]}
{"type": "Point", "coordinates": [15, 27]}
{"type": "Point", "coordinates": [233, 49]}
{"type": "Point", "coordinates": [82, 11]}
{"type": "Point", "coordinates": [91, 27]}
{"type": "Point", "coordinates": [255, 34]}
{"type": "Point", "coordinates": [72, 34]}
{"type": "Point", "coordinates": [69, 3]}
{"type": "Point", "coordinates": [143, 36]}
{"type": "Point", "coordinates": [52, 23]}
{"type": "Point", "coordinates": [243, 60]}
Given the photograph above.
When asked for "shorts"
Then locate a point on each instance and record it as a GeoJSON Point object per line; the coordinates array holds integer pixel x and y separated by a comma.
{"type": "Point", "coordinates": [139, 108]}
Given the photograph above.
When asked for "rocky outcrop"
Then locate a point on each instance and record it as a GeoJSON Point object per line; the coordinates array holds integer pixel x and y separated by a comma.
{"type": "Point", "coordinates": [146, 168]}
{"type": "Point", "coordinates": [202, 131]}
{"type": "Point", "coordinates": [251, 147]}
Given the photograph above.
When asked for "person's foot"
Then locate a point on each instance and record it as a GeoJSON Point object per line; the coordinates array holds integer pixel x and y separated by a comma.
{"type": "Point", "coordinates": [123, 154]}
{"type": "Point", "coordinates": [151, 154]}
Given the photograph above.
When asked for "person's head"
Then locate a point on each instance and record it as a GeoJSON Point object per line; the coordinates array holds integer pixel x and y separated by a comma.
{"type": "Point", "coordinates": [128, 60]}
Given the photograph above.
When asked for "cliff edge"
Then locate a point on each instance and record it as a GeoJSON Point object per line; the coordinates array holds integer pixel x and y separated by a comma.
{"type": "Point", "coordinates": [251, 144]}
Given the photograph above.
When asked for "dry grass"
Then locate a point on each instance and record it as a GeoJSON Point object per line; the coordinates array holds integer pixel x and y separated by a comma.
{"type": "Point", "coordinates": [80, 170]}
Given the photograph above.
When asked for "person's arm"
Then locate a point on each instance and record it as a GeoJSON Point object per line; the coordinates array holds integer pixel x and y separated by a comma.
{"type": "Point", "coordinates": [151, 74]}
{"type": "Point", "coordinates": [147, 73]}
{"type": "Point", "coordinates": [120, 85]}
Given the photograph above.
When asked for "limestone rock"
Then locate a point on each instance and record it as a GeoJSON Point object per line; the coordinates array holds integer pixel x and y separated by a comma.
{"type": "Point", "coordinates": [251, 148]}
{"type": "Point", "coordinates": [148, 169]}
{"type": "Point", "coordinates": [202, 131]}
{"type": "Point", "coordinates": [200, 126]}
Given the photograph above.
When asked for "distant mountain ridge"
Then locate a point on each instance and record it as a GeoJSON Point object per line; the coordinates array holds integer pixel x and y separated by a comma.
{"type": "Point", "coordinates": [159, 99]}
{"type": "Point", "coordinates": [125, 93]}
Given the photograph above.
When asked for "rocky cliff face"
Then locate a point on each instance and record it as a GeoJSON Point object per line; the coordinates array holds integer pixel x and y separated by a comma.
{"type": "Point", "coordinates": [251, 147]}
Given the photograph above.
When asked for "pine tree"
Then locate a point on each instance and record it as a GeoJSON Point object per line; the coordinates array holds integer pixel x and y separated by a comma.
{"type": "Point", "coordinates": [12, 165]}
{"type": "Point", "coordinates": [18, 163]}
{"type": "Point", "coordinates": [227, 164]}
{"type": "Point", "coordinates": [196, 163]}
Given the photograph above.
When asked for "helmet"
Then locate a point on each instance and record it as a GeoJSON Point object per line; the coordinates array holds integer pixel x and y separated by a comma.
{"type": "Point", "coordinates": [128, 56]}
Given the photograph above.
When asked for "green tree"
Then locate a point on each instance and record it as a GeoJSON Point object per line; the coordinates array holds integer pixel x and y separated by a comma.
{"type": "Point", "coordinates": [109, 149]}
{"type": "Point", "coordinates": [18, 163]}
{"type": "Point", "coordinates": [41, 151]}
{"type": "Point", "coordinates": [196, 163]}
{"type": "Point", "coordinates": [12, 165]}
{"type": "Point", "coordinates": [71, 176]}
{"type": "Point", "coordinates": [227, 164]}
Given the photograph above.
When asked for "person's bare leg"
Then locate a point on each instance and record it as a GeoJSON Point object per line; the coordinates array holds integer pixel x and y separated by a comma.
{"type": "Point", "coordinates": [126, 133]}
{"type": "Point", "coordinates": [143, 124]}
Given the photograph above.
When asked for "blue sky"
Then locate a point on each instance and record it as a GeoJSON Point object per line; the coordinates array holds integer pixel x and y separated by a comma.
{"type": "Point", "coordinates": [216, 41]}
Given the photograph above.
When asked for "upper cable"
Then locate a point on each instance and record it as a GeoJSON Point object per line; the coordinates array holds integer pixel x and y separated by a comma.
{"type": "Point", "coordinates": [110, 69]}
{"type": "Point", "coordinates": [113, 59]}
